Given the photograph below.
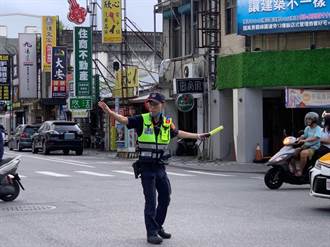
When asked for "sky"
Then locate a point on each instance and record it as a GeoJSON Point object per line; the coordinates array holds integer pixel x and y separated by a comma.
{"type": "Point", "coordinates": [138, 11]}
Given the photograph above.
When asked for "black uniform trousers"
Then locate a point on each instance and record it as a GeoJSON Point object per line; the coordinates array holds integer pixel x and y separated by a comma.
{"type": "Point", "coordinates": [154, 180]}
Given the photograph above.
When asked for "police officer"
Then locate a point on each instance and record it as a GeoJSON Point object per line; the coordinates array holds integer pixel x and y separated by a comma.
{"type": "Point", "coordinates": [154, 134]}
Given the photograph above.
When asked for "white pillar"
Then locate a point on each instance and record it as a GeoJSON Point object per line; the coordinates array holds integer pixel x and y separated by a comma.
{"type": "Point", "coordinates": [222, 144]}
{"type": "Point", "coordinates": [248, 122]}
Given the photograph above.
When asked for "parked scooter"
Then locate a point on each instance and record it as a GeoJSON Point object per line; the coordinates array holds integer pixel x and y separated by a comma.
{"type": "Point", "coordinates": [280, 172]}
{"type": "Point", "coordinates": [10, 184]}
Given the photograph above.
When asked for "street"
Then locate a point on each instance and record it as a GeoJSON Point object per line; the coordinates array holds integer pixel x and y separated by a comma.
{"type": "Point", "coordinates": [92, 200]}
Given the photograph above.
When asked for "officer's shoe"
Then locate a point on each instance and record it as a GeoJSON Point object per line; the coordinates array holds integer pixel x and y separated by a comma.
{"type": "Point", "coordinates": [164, 234]}
{"type": "Point", "coordinates": [154, 239]}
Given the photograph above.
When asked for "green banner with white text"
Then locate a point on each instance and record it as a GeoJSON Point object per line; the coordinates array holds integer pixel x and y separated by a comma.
{"type": "Point", "coordinates": [83, 61]}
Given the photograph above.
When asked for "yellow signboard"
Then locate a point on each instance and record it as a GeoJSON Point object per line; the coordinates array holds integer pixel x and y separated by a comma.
{"type": "Point", "coordinates": [132, 87]}
{"type": "Point", "coordinates": [111, 21]}
{"type": "Point", "coordinates": [49, 24]}
{"type": "Point", "coordinates": [133, 76]}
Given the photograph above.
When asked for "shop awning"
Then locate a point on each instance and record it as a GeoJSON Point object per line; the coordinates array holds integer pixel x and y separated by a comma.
{"type": "Point", "coordinates": [184, 9]}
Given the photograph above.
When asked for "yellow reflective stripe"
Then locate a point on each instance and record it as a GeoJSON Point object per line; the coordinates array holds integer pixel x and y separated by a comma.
{"type": "Point", "coordinates": [152, 146]}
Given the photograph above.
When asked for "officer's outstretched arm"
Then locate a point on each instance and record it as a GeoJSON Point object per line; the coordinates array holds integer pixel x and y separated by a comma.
{"type": "Point", "coordinates": [189, 135]}
{"type": "Point", "coordinates": [120, 118]}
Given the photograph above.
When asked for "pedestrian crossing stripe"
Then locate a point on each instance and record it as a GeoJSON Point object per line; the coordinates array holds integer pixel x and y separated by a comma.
{"type": "Point", "coordinates": [53, 174]}
{"type": "Point", "coordinates": [209, 173]}
{"type": "Point", "coordinates": [123, 172]}
{"type": "Point", "coordinates": [257, 178]}
{"type": "Point", "coordinates": [180, 174]}
{"type": "Point", "coordinates": [95, 174]}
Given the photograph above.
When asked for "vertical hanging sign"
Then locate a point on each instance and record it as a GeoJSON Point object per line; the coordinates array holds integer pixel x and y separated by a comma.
{"type": "Point", "coordinates": [48, 41]}
{"type": "Point", "coordinates": [59, 70]}
{"type": "Point", "coordinates": [4, 77]}
{"type": "Point", "coordinates": [27, 65]}
{"type": "Point", "coordinates": [111, 21]}
{"type": "Point", "coordinates": [83, 60]}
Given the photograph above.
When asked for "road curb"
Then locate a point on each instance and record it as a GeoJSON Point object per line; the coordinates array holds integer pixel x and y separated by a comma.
{"type": "Point", "coordinates": [223, 170]}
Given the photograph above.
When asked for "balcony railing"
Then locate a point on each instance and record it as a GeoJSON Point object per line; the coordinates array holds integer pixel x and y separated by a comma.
{"type": "Point", "coordinates": [166, 4]}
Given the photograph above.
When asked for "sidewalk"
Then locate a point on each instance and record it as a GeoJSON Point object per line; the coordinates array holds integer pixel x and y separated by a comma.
{"type": "Point", "coordinates": [188, 162]}
{"type": "Point", "coordinates": [218, 166]}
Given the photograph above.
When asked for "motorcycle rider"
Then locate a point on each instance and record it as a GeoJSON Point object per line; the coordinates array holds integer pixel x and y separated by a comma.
{"type": "Point", "coordinates": [325, 138]}
{"type": "Point", "coordinates": [311, 142]}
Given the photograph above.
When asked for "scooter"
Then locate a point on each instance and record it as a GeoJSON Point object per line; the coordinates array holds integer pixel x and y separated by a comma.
{"type": "Point", "coordinates": [280, 172]}
{"type": "Point", "coordinates": [10, 183]}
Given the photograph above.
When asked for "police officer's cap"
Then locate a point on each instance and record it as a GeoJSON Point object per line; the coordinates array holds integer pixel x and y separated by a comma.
{"type": "Point", "coordinates": [158, 97]}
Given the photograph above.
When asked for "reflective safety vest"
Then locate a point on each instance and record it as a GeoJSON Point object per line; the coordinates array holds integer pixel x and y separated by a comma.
{"type": "Point", "coordinates": [152, 147]}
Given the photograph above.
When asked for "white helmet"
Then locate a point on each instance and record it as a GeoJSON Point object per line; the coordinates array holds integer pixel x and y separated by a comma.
{"type": "Point", "coordinates": [312, 116]}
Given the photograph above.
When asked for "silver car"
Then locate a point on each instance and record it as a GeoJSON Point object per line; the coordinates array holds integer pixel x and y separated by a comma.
{"type": "Point", "coordinates": [320, 178]}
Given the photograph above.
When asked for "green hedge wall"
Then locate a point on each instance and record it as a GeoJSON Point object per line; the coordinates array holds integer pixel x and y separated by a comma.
{"type": "Point", "coordinates": [274, 69]}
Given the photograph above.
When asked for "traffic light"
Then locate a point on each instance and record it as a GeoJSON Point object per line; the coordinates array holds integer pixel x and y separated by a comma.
{"type": "Point", "coordinates": [115, 65]}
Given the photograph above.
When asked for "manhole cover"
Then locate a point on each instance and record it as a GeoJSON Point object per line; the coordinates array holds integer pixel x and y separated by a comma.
{"type": "Point", "coordinates": [27, 208]}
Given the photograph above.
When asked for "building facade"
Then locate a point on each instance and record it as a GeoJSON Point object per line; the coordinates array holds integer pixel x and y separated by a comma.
{"type": "Point", "coordinates": [139, 52]}
{"type": "Point", "coordinates": [254, 70]}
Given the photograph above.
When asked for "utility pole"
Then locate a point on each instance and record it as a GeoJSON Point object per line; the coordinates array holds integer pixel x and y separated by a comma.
{"type": "Point", "coordinates": [123, 57]}
{"type": "Point", "coordinates": [92, 9]}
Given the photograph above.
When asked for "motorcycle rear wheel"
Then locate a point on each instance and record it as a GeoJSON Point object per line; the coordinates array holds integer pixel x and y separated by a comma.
{"type": "Point", "coordinates": [273, 179]}
{"type": "Point", "coordinates": [12, 197]}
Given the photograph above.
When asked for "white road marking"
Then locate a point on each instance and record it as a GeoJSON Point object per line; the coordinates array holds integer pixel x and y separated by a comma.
{"type": "Point", "coordinates": [209, 173]}
{"type": "Point", "coordinates": [53, 174]}
{"type": "Point", "coordinates": [123, 172]}
{"type": "Point", "coordinates": [257, 178]}
{"type": "Point", "coordinates": [75, 163]}
{"type": "Point", "coordinates": [180, 174]}
{"type": "Point", "coordinates": [95, 174]}
{"type": "Point", "coordinates": [111, 162]}
{"type": "Point", "coordinates": [21, 176]}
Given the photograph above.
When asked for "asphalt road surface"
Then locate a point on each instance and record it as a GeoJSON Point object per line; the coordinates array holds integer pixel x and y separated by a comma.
{"type": "Point", "coordinates": [92, 200]}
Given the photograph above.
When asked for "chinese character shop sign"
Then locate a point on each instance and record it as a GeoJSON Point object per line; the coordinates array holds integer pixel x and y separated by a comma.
{"type": "Point", "coordinates": [83, 60]}
{"type": "Point", "coordinates": [111, 21]}
{"type": "Point", "coordinates": [301, 98]}
{"type": "Point", "coordinates": [4, 77]}
{"type": "Point", "coordinates": [274, 16]}
{"type": "Point", "coordinates": [190, 85]}
{"type": "Point", "coordinates": [59, 71]}
{"type": "Point", "coordinates": [80, 103]}
{"type": "Point", "coordinates": [48, 41]}
{"type": "Point", "coordinates": [27, 65]}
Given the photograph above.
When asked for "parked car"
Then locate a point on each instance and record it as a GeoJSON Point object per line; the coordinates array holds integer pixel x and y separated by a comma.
{"type": "Point", "coordinates": [58, 135]}
{"type": "Point", "coordinates": [320, 177]}
{"type": "Point", "coordinates": [21, 138]}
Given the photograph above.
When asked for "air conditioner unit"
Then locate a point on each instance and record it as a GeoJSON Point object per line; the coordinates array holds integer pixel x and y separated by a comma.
{"type": "Point", "coordinates": [191, 70]}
